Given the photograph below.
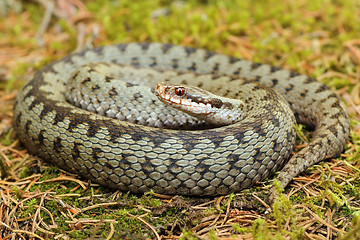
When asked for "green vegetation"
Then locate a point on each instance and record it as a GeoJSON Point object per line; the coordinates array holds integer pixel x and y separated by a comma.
{"type": "Point", "coordinates": [317, 38]}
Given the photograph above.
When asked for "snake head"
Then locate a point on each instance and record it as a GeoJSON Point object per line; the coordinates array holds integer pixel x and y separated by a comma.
{"type": "Point", "coordinates": [200, 103]}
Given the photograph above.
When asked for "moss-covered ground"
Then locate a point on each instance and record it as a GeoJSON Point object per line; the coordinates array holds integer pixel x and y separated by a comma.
{"type": "Point", "coordinates": [317, 38]}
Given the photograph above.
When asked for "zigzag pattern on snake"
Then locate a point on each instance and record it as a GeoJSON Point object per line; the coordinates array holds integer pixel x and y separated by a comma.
{"type": "Point", "coordinates": [137, 158]}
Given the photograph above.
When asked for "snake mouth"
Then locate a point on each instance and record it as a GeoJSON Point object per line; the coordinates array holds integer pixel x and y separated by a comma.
{"type": "Point", "coordinates": [162, 92]}
{"type": "Point", "coordinates": [159, 90]}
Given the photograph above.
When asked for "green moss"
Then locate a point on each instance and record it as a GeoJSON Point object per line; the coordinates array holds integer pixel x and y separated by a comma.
{"type": "Point", "coordinates": [277, 32]}
{"type": "Point", "coordinates": [261, 230]}
{"type": "Point", "coordinates": [18, 73]}
{"type": "Point", "coordinates": [25, 172]}
{"type": "Point", "coordinates": [239, 229]}
{"type": "Point", "coordinates": [354, 232]}
{"type": "Point", "coordinates": [284, 212]}
{"type": "Point", "coordinates": [187, 235]}
{"type": "Point", "coordinates": [17, 192]}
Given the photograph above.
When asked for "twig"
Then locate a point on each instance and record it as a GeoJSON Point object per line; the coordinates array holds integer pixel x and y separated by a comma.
{"type": "Point", "coordinates": [44, 231]}
{"type": "Point", "coordinates": [329, 231]}
{"type": "Point", "coordinates": [28, 233]}
{"type": "Point", "coordinates": [268, 208]}
{"type": "Point", "coordinates": [24, 200]}
{"type": "Point", "coordinates": [321, 220]}
{"type": "Point", "coordinates": [49, 5]}
{"type": "Point", "coordinates": [200, 206]}
{"type": "Point", "coordinates": [5, 225]}
{"type": "Point", "coordinates": [95, 206]}
{"type": "Point", "coordinates": [303, 186]}
{"type": "Point", "coordinates": [218, 203]}
{"type": "Point", "coordinates": [90, 220]}
{"type": "Point", "coordinates": [112, 231]}
{"type": "Point", "coordinates": [147, 224]}
{"type": "Point", "coordinates": [64, 178]}
{"type": "Point", "coordinates": [227, 212]}
{"type": "Point", "coordinates": [37, 213]}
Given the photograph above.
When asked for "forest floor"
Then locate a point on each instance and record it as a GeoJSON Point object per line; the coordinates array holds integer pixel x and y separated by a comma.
{"type": "Point", "coordinates": [316, 38]}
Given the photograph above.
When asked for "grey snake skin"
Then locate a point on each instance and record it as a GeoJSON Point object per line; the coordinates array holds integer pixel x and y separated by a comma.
{"type": "Point", "coordinates": [137, 158]}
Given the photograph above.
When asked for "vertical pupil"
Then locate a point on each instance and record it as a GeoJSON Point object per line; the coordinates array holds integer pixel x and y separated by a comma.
{"type": "Point", "coordinates": [179, 91]}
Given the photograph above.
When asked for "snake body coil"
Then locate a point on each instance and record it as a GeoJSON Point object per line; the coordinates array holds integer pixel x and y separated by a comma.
{"type": "Point", "coordinates": [137, 158]}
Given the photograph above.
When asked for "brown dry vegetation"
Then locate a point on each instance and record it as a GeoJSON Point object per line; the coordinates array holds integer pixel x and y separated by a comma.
{"type": "Point", "coordinates": [317, 38]}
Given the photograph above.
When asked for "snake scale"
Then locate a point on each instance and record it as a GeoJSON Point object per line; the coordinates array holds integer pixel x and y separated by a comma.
{"type": "Point", "coordinates": [137, 158]}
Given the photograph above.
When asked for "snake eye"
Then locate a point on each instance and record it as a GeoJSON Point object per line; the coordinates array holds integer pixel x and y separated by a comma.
{"type": "Point", "coordinates": [180, 91]}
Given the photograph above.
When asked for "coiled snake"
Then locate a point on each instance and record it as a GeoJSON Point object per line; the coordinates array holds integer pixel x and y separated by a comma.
{"type": "Point", "coordinates": [219, 160]}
